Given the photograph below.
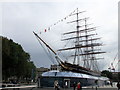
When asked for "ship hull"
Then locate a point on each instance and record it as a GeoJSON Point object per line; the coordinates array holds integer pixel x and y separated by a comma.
{"type": "Point", "coordinates": [76, 68]}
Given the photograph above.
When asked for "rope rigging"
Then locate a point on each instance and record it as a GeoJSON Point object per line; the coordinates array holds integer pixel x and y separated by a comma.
{"type": "Point", "coordinates": [48, 54]}
{"type": "Point", "coordinates": [56, 23]}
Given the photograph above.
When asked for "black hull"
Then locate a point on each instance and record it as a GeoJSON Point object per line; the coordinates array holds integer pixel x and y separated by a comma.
{"type": "Point", "coordinates": [76, 68]}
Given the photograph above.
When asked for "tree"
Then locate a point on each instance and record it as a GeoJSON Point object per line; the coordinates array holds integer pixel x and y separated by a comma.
{"type": "Point", "coordinates": [15, 61]}
{"type": "Point", "coordinates": [106, 73]}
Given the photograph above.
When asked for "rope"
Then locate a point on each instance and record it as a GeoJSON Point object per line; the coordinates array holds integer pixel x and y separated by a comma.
{"type": "Point", "coordinates": [61, 20]}
{"type": "Point", "coordinates": [51, 59]}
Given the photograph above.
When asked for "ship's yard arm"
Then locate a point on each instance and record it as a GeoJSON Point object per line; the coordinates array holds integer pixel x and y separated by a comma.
{"type": "Point", "coordinates": [59, 60]}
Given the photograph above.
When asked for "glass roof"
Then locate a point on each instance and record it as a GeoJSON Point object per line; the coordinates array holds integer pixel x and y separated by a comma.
{"type": "Point", "coordinates": [56, 73]}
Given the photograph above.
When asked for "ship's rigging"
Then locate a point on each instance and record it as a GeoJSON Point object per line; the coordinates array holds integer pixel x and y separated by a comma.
{"type": "Point", "coordinates": [85, 46]}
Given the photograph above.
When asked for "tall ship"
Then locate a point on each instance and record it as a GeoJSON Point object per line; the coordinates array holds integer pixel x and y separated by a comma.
{"type": "Point", "coordinates": [85, 47]}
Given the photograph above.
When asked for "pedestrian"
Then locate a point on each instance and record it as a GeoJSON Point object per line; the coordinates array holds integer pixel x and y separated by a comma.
{"type": "Point", "coordinates": [111, 83]}
{"type": "Point", "coordinates": [38, 82]}
{"type": "Point", "coordinates": [74, 86]}
{"type": "Point", "coordinates": [79, 86]}
{"type": "Point", "coordinates": [118, 85]}
{"type": "Point", "coordinates": [96, 82]}
{"type": "Point", "coordinates": [56, 85]}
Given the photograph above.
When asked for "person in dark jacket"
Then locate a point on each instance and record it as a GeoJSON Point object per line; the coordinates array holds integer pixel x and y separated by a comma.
{"type": "Point", "coordinates": [74, 86]}
{"type": "Point", "coordinates": [118, 85]}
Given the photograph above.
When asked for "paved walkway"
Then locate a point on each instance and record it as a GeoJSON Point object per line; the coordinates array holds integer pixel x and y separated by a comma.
{"type": "Point", "coordinates": [84, 88]}
{"type": "Point", "coordinates": [33, 87]}
{"type": "Point", "coordinates": [69, 89]}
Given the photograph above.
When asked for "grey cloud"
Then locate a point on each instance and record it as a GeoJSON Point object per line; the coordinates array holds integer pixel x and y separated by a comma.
{"type": "Point", "coordinates": [20, 19]}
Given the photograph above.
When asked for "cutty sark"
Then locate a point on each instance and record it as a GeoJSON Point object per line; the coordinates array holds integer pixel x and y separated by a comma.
{"type": "Point", "coordinates": [86, 48]}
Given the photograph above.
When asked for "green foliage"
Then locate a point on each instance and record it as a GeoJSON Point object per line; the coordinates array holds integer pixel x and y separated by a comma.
{"type": "Point", "coordinates": [106, 73]}
{"type": "Point", "coordinates": [15, 61]}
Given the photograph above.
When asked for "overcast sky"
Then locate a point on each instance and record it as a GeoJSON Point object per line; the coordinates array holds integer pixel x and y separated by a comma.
{"type": "Point", "coordinates": [19, 19]}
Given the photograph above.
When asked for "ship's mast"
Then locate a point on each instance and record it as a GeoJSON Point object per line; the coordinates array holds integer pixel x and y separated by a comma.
{"type": "Point", "coordinates": [86, 62]}
{"type": "Point", "coordinates": [77, 39]}
{"type": "Point", "coordinates": [85, 47]}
